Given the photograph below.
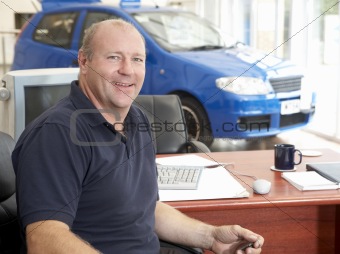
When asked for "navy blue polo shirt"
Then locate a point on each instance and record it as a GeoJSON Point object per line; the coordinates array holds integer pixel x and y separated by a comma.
{"type": "Point", "coordinates": [72, 166]}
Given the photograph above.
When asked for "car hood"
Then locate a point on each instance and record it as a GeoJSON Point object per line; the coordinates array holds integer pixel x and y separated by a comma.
{"type": "Point", "coordinates": [240, 61]}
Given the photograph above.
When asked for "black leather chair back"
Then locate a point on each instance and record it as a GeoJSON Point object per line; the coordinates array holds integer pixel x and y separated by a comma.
{"type": "Point", "coordinates": [167, 124]}
{"type": "Point", "coordinates": [166, 121]}
{"type": "Point", "coordinates": [9, 228]}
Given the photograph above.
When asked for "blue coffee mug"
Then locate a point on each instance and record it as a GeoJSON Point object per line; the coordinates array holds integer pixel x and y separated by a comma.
{"type": "Point", "coordinates": [285, 156]}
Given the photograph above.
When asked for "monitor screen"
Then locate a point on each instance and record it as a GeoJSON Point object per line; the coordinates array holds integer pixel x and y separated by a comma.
{"type": "Point", "coordinates": [39, 98]}
{"type": "Point", "coordinates": [31, 92]}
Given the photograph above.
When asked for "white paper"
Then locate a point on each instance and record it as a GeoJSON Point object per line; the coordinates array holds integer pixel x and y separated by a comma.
{"type": "Point", "coordinates": [187, 160]}
{"type": "Point", "coordinates": [215, 183]}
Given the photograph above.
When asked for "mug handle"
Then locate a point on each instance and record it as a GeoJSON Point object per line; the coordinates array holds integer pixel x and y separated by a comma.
{"type": "Point", "coordinates": [300, 155]}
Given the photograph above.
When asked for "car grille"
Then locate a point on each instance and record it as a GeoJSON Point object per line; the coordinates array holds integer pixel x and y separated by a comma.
{"type": "Point", "coordinates": [293, 119]}
{"type": "Point", "coordinates": [286, 84]}
{"type": "Point", "coordinates": [254, 123]}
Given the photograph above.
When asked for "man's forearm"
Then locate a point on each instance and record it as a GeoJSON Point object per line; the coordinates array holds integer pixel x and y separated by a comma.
{"type": "Point", "coordinates": [54, 237]}
{"type": "Point", "coordinates": [176, 227]}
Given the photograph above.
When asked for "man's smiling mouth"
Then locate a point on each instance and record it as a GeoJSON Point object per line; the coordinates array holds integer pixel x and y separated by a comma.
{"type": "Point", "coordinates": [122, 84]}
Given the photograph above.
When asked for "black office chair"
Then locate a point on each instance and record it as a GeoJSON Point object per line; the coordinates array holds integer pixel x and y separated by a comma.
{"type": "Point", "coordinates": [9, 227]}
{"type": "Point", "coordinates": [167, 124]}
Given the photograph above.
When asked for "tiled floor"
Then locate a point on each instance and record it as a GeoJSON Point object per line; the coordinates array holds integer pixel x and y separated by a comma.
{"type": "Point", "coordinates": [302, 139]}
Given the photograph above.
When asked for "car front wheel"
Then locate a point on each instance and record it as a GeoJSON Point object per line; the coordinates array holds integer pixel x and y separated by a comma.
{"type": "Point", "coordinates": [197, 122]}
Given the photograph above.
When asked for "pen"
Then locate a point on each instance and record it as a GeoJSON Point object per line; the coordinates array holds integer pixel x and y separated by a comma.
{"type": "Point", "coordinates": [248, 245]}
{"type": "Point", "coordinates": [219, 164]}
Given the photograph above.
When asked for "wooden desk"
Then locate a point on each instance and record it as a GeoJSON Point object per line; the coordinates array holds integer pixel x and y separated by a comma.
{"type": "Point", "coordinates": [290, 220]}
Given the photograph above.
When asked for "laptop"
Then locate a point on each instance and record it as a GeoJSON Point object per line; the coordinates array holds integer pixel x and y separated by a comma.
{"type": "Point", "coordinates": [329, 170]}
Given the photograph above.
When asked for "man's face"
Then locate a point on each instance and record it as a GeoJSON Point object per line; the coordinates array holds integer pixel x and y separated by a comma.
{"type": "Point", "coordinates": [115, 74]}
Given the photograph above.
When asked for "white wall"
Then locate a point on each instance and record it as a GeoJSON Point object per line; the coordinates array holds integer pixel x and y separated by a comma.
{"type": "Point", "coordinates": [18, 6]}
{"type": "Point", "coordinates": [8, 9]}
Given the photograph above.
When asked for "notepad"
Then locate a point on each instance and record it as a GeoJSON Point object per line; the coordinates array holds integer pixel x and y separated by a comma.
{"type": "Point", "coordinates": [309, 180]}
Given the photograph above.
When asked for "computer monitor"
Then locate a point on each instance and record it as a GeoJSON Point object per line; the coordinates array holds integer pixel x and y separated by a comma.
{"type": "Point", "coordinates": [25, 94]}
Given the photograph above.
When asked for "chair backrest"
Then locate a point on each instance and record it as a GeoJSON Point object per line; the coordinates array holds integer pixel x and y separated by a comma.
{"type": "Point", "coordinates": [9, 227]}
{"type": "Point", "coordinates": [167, 123]}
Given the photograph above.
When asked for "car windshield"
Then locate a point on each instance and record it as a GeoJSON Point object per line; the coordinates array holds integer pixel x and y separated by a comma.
{"type": "Point", "coordinates": [180, 31]}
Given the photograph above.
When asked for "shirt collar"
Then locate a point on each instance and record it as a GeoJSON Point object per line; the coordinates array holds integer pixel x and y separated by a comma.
{"type": "Point", "coordinates": [85, 106]}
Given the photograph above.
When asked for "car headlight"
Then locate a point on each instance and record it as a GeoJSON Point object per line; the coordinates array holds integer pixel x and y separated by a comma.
{"type": "Point", "coordinates": [243, 85]}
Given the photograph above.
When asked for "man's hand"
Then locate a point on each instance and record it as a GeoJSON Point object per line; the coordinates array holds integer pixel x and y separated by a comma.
{"type": "Point", "coordinates": [230, 240]}
{"type": "Point", "coordinates": [190, 232]}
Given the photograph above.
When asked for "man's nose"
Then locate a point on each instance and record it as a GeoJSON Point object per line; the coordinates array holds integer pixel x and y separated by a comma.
{"type": "Point", "coordinates": [125, 67]}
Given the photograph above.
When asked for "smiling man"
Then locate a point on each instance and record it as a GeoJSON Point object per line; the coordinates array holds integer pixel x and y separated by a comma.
{"type": "Point", "coordinates": [84, 186]}
{"type": "Point", "coordinates": [112, 77]}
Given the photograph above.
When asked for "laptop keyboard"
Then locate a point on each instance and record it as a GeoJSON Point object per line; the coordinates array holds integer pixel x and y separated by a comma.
{"type": "Point", "coordinates": [171, 177]}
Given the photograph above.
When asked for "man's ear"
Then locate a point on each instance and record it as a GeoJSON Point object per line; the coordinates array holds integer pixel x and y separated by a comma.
{"type": "Point", "coordinates": [82, 61]}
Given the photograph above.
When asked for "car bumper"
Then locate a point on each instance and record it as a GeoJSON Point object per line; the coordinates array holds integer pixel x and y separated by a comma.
{"type": "Point", "coordinates": [256, 118]}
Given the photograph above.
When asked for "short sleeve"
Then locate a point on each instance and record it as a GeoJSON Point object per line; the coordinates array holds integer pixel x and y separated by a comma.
{"type": "Point", "coordinates": [50, 171]}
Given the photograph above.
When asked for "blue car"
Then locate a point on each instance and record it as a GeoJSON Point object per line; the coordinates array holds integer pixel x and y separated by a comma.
{"type": "Point", "coordinates": [228, 90]}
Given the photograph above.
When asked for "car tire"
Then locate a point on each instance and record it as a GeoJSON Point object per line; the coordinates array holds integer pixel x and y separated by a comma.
{"type": "Point", "coordinates": [197, 122]}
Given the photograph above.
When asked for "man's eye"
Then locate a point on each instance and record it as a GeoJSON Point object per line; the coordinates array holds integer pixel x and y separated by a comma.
{"type": "Point", "coordinates": [137, 59]}
{"type": "Point", "coordinates": [113, 57]}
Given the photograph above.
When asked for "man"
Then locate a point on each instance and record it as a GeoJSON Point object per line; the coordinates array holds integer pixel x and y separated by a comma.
{"type": "Point", "coordinates": [84, 186]}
